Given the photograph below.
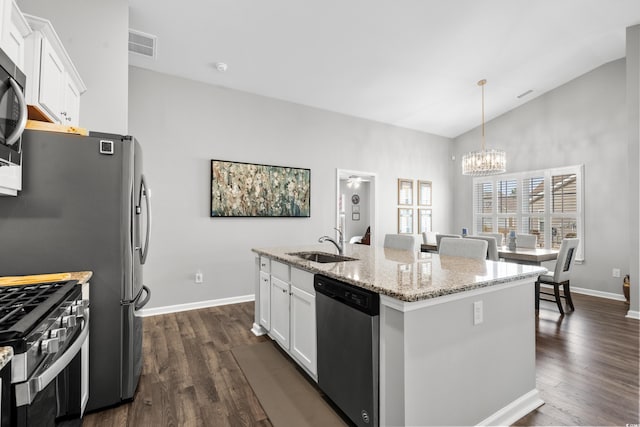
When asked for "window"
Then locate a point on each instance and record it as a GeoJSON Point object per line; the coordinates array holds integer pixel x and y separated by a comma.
{"type": "Point", "coordinates": [546, 203]}
{"type": "Point", "coordinates": [483, 206]}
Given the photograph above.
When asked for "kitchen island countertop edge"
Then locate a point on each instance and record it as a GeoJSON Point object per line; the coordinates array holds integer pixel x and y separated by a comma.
{"type": "Point", "coordinates": [405, 275]}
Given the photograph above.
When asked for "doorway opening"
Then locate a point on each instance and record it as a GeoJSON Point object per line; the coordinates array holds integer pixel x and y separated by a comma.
{"type": "Point", "coordinates": [356, 204]}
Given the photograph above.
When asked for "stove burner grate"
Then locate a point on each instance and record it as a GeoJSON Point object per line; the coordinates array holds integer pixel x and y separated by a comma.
{"type": "Point", "coordinates": [23, 307]}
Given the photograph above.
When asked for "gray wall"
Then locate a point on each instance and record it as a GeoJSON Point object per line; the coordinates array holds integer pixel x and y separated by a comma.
{"type": "Point", "coordinates": [95, 35]}
{"type": "Point", "coordinates": [183, 124]}
{"type": "Point", "coordinates": [581, 122]}
{"type": "Point", "coordinates": [584, 121]}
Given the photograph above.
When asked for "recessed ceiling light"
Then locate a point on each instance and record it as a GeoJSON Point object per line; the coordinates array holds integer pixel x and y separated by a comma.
{"type": "Point", "coordinates": [221, 66]}
{"type": "Point", "coordinates": [522, 95]}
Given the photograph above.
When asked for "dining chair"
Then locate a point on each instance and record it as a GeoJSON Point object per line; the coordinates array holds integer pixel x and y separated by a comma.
{"type": "Point", "coordinates": [440, 236]}
{"type": "Point", "coordinates": [399, 241]}
{"type": "Point", "coordinates": [466, 248]}
{"type": "Point", "coordinates": [497, 236]}
{"type": "Point", "coordinates": [559, 277]}
{"type": "Point", "coordinates": [429, 237]}
{"type": "Point", "coordinates": [526, 240]}
{"type": "Point", "coordinates": [492, 246]}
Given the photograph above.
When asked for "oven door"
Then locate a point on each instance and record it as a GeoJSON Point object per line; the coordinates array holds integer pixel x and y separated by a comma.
{"type": "Point", "coordinates": [53, 395]}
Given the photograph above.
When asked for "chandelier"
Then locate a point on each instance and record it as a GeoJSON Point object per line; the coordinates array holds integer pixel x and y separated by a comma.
{"type": "Point", "coordinates": [484, 162]}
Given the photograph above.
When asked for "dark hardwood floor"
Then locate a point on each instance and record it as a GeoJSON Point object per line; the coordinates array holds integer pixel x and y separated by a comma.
{"type": "Point", "coordinates": [587, 365]}
{"type": "Point", "coordinates": [587, 369]}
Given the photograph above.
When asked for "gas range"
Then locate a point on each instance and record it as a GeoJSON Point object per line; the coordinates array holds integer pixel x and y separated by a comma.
{"type": "Point", "coordinates": [39, 321]}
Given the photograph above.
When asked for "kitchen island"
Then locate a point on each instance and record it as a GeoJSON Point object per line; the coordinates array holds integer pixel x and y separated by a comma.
{"type": "Point", "coordinates": [457, 336]}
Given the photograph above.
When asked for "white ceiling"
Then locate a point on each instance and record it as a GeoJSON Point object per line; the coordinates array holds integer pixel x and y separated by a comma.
{"type": "Point", "coordinates": [409, 63]}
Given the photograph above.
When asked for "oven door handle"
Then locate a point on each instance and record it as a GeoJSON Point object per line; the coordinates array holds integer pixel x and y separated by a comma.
{"type": "Point", "coordinates": [27, 391]}
{"type": "Point", "coordinates": [22, 120]}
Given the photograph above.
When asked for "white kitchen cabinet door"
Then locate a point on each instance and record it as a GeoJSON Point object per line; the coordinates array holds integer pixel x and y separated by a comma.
{"type": "Point", "coordinates": [280, 312]}
{"type": "Point", "coordinates": [52, 81]}
{"type": "Point", "coordinates": [303, 328]}
{"type": "Point", "coordinates": [265, 300]}
{"type": "Point", "coordinates": [14, 30]}
{"type": "Point", "coordinates": [71, 112]}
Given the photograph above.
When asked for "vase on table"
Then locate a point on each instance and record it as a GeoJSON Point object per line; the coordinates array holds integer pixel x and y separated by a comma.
{"type": "Point", "coordinates": [512, 241]}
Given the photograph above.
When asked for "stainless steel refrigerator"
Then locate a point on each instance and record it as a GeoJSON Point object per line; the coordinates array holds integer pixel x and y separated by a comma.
{"type": "Point", "coordinates": [84, 205]}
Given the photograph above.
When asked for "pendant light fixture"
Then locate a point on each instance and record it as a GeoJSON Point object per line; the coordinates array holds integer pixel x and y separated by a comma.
{"type": "Point", "coordinates": [484, 162]}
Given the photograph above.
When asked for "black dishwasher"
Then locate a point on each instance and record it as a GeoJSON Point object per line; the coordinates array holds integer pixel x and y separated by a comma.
{"type": "Point", "coordinates": [348, 324]}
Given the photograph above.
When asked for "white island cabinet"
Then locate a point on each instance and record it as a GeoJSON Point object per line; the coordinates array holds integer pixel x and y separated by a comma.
{"type": "Point", "coordinates": [457, 335]}
{"type": "Point", "coordinates": [287, 310]}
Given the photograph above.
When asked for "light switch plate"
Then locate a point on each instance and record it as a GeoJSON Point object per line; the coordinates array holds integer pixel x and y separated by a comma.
{"type": "Point", "coordinates": [477, 313]}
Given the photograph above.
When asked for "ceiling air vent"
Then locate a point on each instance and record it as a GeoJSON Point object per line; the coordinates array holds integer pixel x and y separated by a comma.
{"type": "Point", "coordinates": [142, 43]}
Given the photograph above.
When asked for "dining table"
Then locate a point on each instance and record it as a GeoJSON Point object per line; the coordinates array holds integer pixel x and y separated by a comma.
{"type": "Point", "coordinates": [531, 256]}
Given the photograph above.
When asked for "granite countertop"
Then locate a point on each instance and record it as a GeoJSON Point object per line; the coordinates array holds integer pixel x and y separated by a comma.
{"type": "Point", "coordinates": [6, 354]}
{"type": "Point", "coordinates": [406, 275]}
{"type": "Point", "coordinates": [81, 276]}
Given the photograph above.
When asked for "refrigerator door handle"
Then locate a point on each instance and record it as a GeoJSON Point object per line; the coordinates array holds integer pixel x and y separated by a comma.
{"type": "Point", "coordinates": [137, 305]}
{"type": "Point", "coordinates": [144, 192]}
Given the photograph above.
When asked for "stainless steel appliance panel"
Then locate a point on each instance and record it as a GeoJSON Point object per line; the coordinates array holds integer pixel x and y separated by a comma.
{"type": "Point", "coordinates": [76, 213]}
{"type": "Point", "coordinates": [348, 348]}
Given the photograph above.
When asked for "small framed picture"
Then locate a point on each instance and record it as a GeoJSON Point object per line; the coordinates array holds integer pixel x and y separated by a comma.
{"type": "Point", "coordinates": [355, 216]}
{"type": "Point", "coordinates": [405, 221]}
{"type": "Point", "coordinates": [355, 208]}
{"type": "Point", "coordinates": [405, 192]}
{"type": "Point", "coordinates": [424, 193]}
{"type": "Point", "coordinates": [424, 220]}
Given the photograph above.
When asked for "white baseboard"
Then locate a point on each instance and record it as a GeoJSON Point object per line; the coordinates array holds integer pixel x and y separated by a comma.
{"type": "Point", "coordinates": [601, 294]}
{"type": "Point", "coordinates": [633, 315]}
{"type": "Point", "coordinates": [194, 305]}
{"type": "Point", "coordinates": [607, 295]}
{"type": "Point", "coordinates": [258, 330]}
{"type": "Point", "coordinates": [593, 293]}
{"type": "Point", "coordinates": [514, 410]}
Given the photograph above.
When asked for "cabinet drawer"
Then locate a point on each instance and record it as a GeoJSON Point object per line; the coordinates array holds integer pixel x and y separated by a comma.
{"type": "Point", "coordinates": [280, 270]}
{"type": "Point", "coordinates": [303, 280]}
{"type": "Point", "coordinates": [265, 264]}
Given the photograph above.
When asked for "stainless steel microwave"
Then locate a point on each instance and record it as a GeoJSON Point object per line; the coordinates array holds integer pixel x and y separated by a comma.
{"type": "Point", "coordinates": [13, 119]}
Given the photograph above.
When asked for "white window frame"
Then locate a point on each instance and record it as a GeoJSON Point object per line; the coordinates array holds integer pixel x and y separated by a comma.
{"type": "Point", "coordinates": [519, 177]}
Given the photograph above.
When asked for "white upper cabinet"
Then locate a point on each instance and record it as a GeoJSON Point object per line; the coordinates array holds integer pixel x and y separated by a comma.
{"type": "Point", "coordinates": [14, 28]}
{"type": "Point", "coordinates": [53, 83]}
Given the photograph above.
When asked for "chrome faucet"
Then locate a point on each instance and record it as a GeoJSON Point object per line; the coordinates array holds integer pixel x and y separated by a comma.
{"type": "Point", "coordinates": [336, 244]}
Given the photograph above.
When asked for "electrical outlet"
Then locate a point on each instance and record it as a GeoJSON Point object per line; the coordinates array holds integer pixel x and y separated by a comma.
{"type": "Point", "coordinates": [477, 312]}
{"type": "Point", "coordinates": [615, 272]}
{"type": "Point", "coordinates": [199, 277]}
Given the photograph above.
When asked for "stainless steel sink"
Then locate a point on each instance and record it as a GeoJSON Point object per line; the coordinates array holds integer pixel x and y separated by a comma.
{"type": "Point", "coordinates": [322, 257]}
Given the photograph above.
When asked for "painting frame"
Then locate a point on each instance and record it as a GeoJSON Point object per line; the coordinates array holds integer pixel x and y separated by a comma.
{"type": "Point", "coordinates": [425, 189]}
{"type": "Point", "coordinates": [425, 220]}
{"type": "Point", "coordinates": [253, 190]}
{"type": "Point", "coordinates": [405, 220]}
{"type": "Point", "coordinates": [405, 192]}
